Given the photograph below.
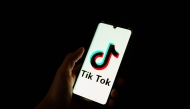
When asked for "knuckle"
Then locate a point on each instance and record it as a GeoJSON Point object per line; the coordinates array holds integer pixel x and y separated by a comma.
{"type": "Point", "coordinates": [69, 55]}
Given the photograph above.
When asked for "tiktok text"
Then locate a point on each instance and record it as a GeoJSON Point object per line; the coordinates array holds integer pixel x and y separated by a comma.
{"type": "Point", "coordinates": [99, 78]}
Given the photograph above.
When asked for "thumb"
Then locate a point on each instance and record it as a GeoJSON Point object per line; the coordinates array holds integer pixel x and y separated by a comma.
{"type": "Point", "coordinates": [70, 60]}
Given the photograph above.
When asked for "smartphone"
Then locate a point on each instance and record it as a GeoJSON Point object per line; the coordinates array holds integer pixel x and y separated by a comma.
{"type": "Point", "coordinates": [99, 69]}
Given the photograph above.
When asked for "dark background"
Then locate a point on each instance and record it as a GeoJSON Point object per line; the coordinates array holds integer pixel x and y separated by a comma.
{"type": "Point", "coordinates": [40, 34]}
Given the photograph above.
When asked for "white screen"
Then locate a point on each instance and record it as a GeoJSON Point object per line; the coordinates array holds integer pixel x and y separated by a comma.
{"type": "Point", "coordinates": [86, 84]}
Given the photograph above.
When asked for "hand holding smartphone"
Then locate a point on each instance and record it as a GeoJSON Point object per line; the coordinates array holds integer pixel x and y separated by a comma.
{"type": "Point", "coordinates": [98, 72]}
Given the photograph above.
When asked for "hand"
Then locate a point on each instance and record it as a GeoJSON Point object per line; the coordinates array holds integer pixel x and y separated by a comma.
{"type": "Point", "coordinates": [59, 95]}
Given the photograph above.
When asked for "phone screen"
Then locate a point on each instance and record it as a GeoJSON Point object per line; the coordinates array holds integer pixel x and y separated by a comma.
{"type": "Point", "coordinates": [101, 63]}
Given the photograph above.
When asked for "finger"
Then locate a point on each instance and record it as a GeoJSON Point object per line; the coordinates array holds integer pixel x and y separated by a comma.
{"type": "Point", "coordinates": [70, 60]}
{"type": "Point", "coordinates": [75, 71]}
{"type": "Point", "coordinates": [120, 81]}
{"type": "Point", "coordinates": [114, 93]}
{"type": "Point", "coordinates": [111, 103]}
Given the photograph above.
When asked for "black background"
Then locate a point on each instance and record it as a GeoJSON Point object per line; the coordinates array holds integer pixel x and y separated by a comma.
{"type": "Point", "coordinates": [40, 34]}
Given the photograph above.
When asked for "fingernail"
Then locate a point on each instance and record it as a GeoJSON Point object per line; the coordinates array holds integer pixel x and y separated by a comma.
{"type": "Point", "coordinates": [79, 49]}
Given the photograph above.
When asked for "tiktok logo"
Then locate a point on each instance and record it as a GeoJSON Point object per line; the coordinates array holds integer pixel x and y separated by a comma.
{"type": "Point", "coordinates": [109, 52]}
